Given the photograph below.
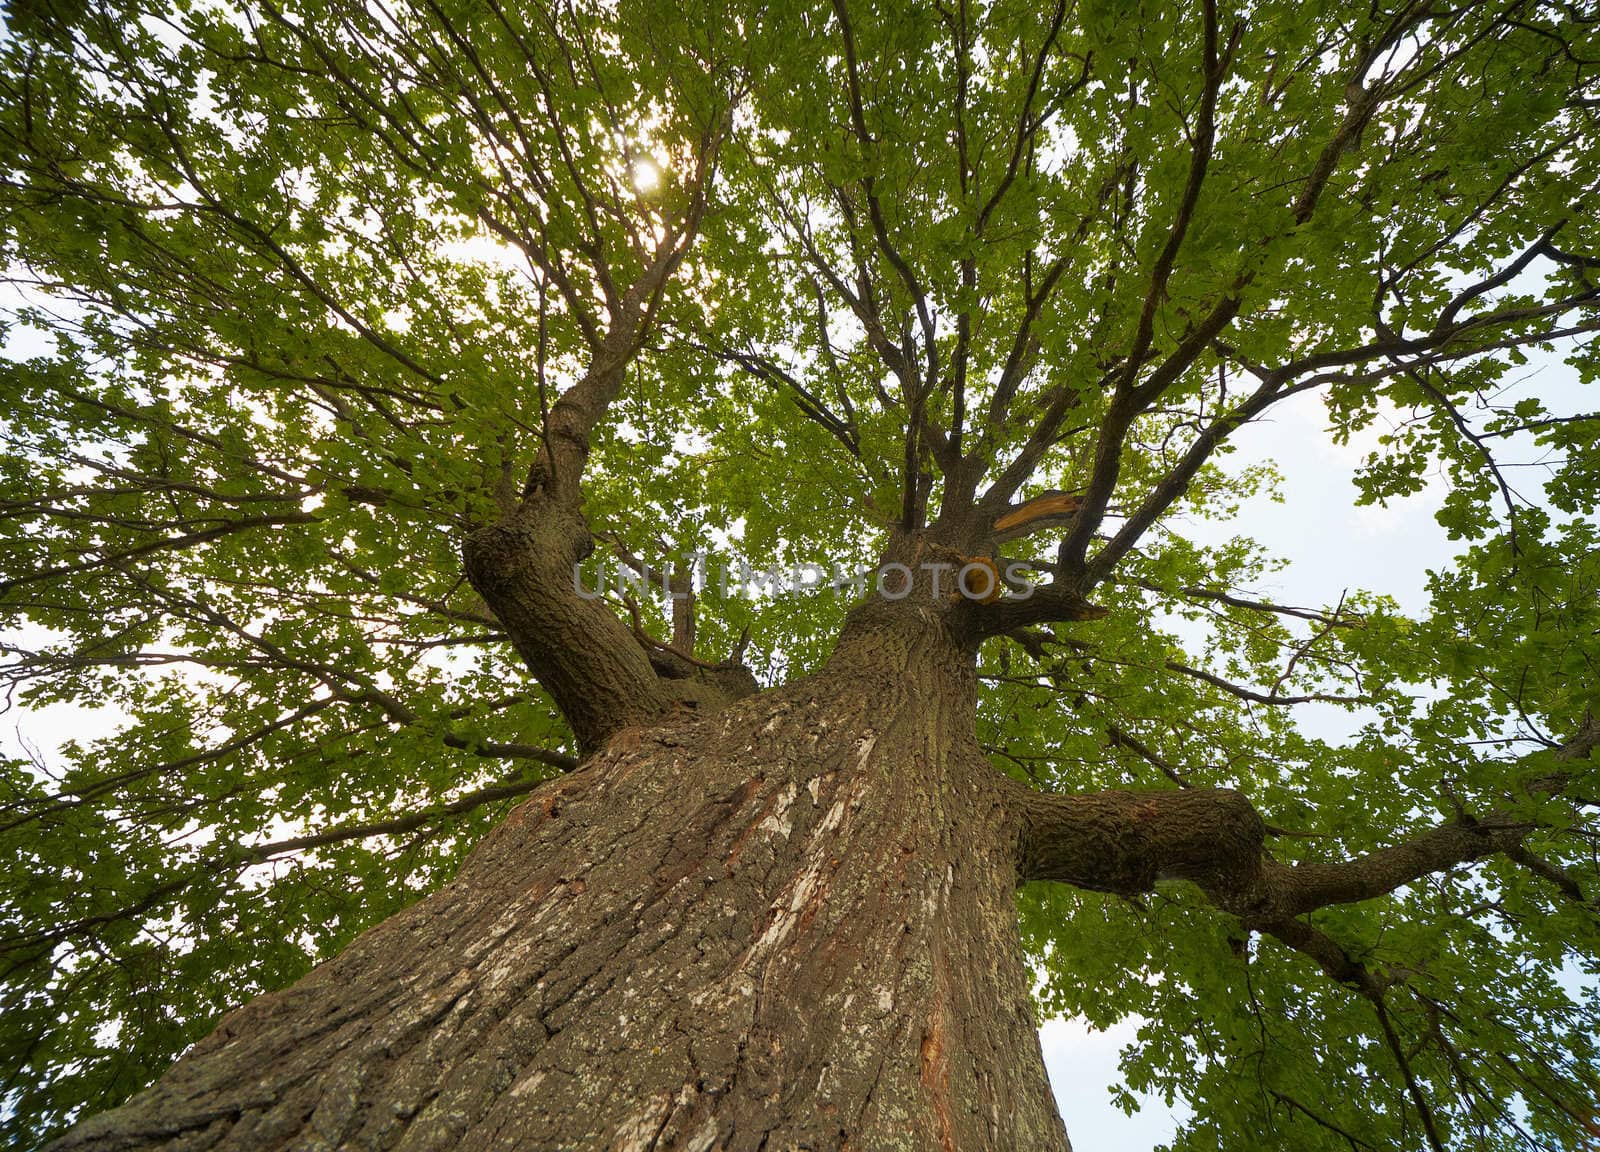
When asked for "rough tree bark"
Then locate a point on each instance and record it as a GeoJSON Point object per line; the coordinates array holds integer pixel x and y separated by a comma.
{"type": "Point", "coordinates": [787, 923]}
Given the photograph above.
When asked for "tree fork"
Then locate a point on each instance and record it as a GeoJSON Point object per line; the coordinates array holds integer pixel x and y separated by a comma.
{"type": "Point", "coordinates": [600, 675]}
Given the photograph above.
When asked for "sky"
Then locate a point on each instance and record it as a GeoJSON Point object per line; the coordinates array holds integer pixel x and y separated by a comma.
{"type": "Point", "coordinates": [1331, 545]}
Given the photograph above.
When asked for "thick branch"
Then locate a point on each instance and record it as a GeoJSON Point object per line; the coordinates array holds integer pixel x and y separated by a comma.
{"type": "Point", "coordinates": [525, 566]}
{"type": "Point", "coordinates": [1125, 841]}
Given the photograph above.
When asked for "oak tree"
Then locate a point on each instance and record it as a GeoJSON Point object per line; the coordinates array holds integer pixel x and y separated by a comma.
{"type": "Point", "coordinates": [351, 345]}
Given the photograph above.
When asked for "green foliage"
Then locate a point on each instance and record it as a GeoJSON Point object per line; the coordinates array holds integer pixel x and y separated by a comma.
{"type": "Point", "coordinates": [291, 288]}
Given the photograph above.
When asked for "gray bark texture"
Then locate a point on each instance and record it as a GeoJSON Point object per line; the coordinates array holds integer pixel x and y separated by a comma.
{"type": "Point", "coordinates": [784, 924]}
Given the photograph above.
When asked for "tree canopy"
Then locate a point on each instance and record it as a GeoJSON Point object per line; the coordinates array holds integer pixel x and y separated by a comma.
{"type": "Point", "coordinates": [295, 286]}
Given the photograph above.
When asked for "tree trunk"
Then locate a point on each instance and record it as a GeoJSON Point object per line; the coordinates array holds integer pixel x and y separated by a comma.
{"type": "Point", "coordinates": [787, 924]}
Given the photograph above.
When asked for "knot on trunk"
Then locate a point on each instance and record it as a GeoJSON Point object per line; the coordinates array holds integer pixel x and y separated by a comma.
{"type": "Point", "coordinates": [494, 554]}
{"type": "Point", "coordinates": [548, 543]}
